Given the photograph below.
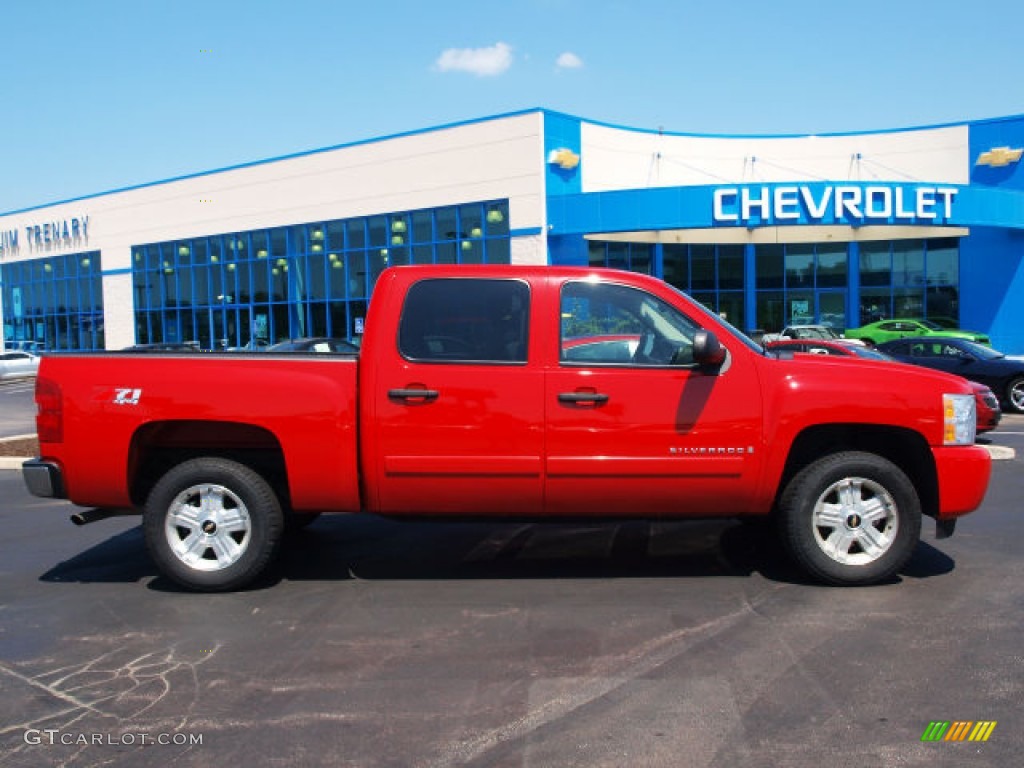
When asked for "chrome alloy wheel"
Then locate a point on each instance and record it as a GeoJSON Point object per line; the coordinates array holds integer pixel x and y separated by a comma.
{"type": "Point", "coordinates": [1016, 395]}
{"type": "Point", "coordinates": [208, 527]}
{"type": "Point", "coordinates": [855, 521]}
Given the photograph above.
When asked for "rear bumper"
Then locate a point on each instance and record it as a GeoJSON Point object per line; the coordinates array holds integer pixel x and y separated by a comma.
{"type": "Point", "coordinates": [963, 474]}
{"type": "Point", "coordinates": [43, 478]}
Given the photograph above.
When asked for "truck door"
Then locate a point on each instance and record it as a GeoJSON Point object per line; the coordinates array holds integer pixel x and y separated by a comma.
{"type": "Point", "coordinates": [634, 427]}
{"type": "Point", "coordinates": [459, 408]}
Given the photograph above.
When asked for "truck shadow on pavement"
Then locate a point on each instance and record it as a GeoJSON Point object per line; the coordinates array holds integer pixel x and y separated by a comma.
{"type": "Point", "coordinates": [337, 548]}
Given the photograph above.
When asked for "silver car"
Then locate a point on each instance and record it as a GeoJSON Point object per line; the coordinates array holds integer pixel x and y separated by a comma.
{"type": "Point", "coordinates": [17, 365]}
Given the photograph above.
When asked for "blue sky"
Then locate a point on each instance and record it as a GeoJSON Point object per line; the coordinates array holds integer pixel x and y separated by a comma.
{"type": "Point", "coordinates": [101, 94]}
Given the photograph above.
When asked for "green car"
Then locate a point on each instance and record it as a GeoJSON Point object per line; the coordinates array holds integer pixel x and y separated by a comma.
{"type": "Point", "coordinates": [888, 330]}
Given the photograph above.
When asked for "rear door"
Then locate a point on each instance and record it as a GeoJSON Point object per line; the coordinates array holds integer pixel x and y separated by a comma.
{"type": "Point", "coordinates": [636, 428]}
{"type": "Point", "coordinates": [459, 411]}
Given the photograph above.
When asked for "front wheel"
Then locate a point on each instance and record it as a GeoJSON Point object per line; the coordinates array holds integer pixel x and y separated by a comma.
{"type": "Point", "coordinates": [212, 524]}
{"type": "Point", "coordinates": [1015, 395]}
{"type": "Point", "coordinates": [851, 518]}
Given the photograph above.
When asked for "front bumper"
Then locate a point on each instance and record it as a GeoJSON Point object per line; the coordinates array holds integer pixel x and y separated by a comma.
{"type": "Point", "coordinates": [963, 472]}
{"type": "Point", "coordinates": [43, 478]}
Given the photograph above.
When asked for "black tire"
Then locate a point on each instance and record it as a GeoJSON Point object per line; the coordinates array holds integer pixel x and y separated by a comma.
{"type": "Point", "coordinates": [850, 519]}
{"type": "Point", "coordinates": [212, 524]}
{"type": "Point", "coordinates": [1015, 395]}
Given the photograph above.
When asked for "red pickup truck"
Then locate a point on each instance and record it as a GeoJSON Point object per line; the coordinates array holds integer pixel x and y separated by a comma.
{"type": "Point", "coordinates": [525, 392]}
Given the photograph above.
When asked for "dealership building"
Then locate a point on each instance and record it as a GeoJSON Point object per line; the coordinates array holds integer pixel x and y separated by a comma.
{"type": "Point", "coordinates": [842, 229]}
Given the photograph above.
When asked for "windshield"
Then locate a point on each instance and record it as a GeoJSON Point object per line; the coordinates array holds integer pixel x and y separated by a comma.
{"type": "Point", "coordinates": [813, 332]}
{"type": "Point", "coordinates": [930, 325]}
{"type": "Point", "coordinates": [870, 354]}
{"type": "Point", "coordinates": [982, 353]}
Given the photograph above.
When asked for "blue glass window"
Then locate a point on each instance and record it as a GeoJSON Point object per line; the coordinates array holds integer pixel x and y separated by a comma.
{"type": "Point", "coordinates": [243, 288]}
{"type": "Point", "coordinates": [54, 303]}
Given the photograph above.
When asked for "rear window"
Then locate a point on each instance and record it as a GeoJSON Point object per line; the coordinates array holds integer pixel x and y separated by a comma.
{"type": "Point", "coordinates": [471, 320]}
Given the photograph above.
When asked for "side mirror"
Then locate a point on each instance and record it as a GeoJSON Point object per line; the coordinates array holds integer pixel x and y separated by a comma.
{"type": "Point", "coordinates": [707, 350]}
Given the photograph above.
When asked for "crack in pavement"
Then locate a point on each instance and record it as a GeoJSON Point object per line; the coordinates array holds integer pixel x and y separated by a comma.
{"type": "Point", "coordinates": [110, 690]}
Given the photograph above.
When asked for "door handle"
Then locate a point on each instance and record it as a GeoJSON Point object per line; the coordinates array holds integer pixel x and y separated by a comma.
{"type": "Point", "coordinates": [425, 395]}
{"type": "Point", "coordinates": [578, 398]}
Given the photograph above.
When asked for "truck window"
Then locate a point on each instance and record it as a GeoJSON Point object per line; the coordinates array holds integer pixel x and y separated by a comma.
{"type": "Point", "coordinates": [472, 320]}
{"type": "Point", "coordinates": [612, 324]}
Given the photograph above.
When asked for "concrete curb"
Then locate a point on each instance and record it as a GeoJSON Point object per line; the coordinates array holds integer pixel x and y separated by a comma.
{"type": "Point", "coordinates": [14, 462]}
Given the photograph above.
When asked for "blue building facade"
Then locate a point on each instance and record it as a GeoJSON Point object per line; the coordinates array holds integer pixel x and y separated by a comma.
{"type": "Point", "coordinates": [842, 249]}
{"type": "Point", "coordinates": [842, 229]}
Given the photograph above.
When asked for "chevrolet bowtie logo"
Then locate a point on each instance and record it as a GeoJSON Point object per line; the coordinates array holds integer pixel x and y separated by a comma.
{"type": "Point", "coordinates": [564, 158]}
{"type": "Point", "coordinates": [997, 157]}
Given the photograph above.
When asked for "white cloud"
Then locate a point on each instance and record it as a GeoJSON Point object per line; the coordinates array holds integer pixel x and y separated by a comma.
{"type": "Point", "coordinates": [482, 62]}
{"type": "Point", "coordinates": [569, 60]}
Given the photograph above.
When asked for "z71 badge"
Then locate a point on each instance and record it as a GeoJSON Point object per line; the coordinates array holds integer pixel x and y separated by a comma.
{"type": "Point", "coordinates": [127, 396]}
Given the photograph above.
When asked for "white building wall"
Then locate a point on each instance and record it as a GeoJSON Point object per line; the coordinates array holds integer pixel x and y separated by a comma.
{"type": "Point", "coordinates": [118, 311]}
{"type": "Point", "coordinates": [617, 158]}
{"type": "Point", "coordinates": [532, 249]}
{"type": "Point", "coordinates": [489, 159]}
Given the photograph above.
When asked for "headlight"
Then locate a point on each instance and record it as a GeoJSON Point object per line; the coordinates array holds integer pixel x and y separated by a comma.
{"type": "Point", "coordinates": [959, 419]}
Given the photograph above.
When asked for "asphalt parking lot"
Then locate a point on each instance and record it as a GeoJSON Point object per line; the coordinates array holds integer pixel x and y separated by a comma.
{"type": "Point", "coordinates": [383, 644]}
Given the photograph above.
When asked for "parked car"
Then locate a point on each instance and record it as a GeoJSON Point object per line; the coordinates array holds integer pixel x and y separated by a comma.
{"type": "Point", "coordinates": [23, 345]}
{"type": "Point", "coordinates": [820, 332]}
{"type": "Point", "coordinates": [840, 348]}
{"type": "Point", "coordinates": [253, 345]}
{"type": "Point", "coordinates": [1003, 375]}
{"type": "Point", "coordinates": [890, 330]}
{"type": "Point", "coordinates": [164, 346]}
{"type": "Point", "coordinates": [315, 344]}
{"type": "Point", "coordinates": [17, 365]}
{"type": "Point", "coordinates": [988, 412]}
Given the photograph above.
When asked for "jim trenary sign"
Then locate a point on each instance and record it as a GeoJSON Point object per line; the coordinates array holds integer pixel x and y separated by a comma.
{"type": "Point", "coordinates": [852, 204]}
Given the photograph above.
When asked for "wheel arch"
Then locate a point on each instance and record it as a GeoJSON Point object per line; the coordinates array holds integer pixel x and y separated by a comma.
{"type": "Point", "coordinates": [156, 447]}
{"type": "Point", "coordinates": [904, 447]}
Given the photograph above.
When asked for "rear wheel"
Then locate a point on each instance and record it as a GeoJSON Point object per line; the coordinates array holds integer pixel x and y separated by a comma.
{"type": "Point", "coordinates": [1015, 395]}
{"type": "Point", "coordinates": [212, 524]}
{"type": "Point", "coordinates": [851, 518]}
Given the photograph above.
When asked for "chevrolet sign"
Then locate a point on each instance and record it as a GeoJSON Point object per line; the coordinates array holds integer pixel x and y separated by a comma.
{"type": "Point", "coordinates": [998, 157]}
{"type": "Point", "coordinates": [839, 204]}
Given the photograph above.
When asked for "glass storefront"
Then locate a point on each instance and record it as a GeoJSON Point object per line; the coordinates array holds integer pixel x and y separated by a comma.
{"type": "Point", "coordinates": [801, 283]}
{"type": "Point", "coordinates": [257, 287]}
{"type": "Point", "coordinates": [712, 274]}
{"type": "Point", "coordinates": [634, 257]}
{"type": "Point", "coordinates": [804, 282]}
{"type": "Point", "coordinates": [249, 289]}
{"type": "Point", "coordinates": [54, 303]}
{"type": "Point", "coordinates": [910, 278]}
